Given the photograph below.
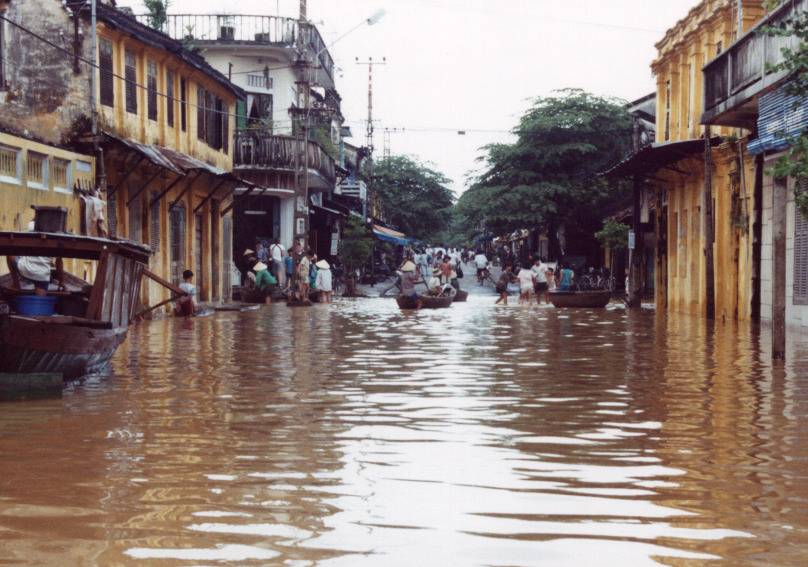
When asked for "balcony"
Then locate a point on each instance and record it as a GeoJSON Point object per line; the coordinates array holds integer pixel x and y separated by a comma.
{"type": "Point", "coordinates": [237, 29]}
{"type": "Point", "coordinates": [255, 150]}
{"type": "Point", "coordinates": [352, 187]}
{"type": "Point", "coordinates": [735, 78]}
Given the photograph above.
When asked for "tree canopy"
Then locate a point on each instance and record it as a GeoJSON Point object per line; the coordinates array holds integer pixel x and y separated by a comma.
{"type": "Point", "coordinates": [549, 176]}
{"type": "Point", "coordinates": [414, 197]}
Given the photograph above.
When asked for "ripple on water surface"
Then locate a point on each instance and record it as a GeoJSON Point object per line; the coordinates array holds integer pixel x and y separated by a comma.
{"type": "Point", "coordinates": [361, 435]}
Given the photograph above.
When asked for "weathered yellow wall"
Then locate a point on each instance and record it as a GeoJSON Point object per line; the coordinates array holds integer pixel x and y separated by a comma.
{"type": "Point", "coordinates": [16, 198]}
{"type": "Point", "coordinates": [138, 126]}
{"type": "Point", "coordinates": [157, 132]}
{"type": "Point", "coordinates": [708, 29]}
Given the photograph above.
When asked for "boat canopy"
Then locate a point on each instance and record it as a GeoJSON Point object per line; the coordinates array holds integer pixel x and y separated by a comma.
{"type": "Point", "coordinates": [64, 245]}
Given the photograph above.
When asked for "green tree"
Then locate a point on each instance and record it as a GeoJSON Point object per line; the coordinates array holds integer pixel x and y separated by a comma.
{"type": "Point", "coordinates": [157, 13]}
{"type": "Point", "coordinates": [355, 249]}
{"type": "Point", "coordinates": [413, 197]}
{"type": "Point", "coordinates": [794, 163]}
{"type": "Point", "coordinates": [549, 176]}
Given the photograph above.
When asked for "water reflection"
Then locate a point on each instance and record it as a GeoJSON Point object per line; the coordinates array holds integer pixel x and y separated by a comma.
{"type": "Point", "coordinates": [360, 435]}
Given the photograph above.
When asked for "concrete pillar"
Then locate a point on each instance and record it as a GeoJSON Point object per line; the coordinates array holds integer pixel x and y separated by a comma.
{"type": "Point", "coordinates": [779, 203]}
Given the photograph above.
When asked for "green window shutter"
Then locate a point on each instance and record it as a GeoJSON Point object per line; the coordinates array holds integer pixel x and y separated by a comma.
{"type": "Point", "coordinates": [241, 111]}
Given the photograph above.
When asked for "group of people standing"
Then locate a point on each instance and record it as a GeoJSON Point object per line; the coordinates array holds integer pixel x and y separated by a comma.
{"type": "Point", "coordinates": [294, 273]}
{"type": "Point", "coordinates": [535, 280]}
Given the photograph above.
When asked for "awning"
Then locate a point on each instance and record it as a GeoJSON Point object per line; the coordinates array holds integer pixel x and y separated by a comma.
{"type": "Point", "coordinates": [326, 211]}
{"type": "Point", "coordinates": [657, 156]}
{"type": "Point", "coordinates": [390, 235]}
{"type": "Point", "coordinates": [151, 153]}
{"type": "Point", "coordinates": [188, 163]}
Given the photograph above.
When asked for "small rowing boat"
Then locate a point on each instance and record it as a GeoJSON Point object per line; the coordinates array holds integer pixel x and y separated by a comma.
{"type": "Point", "coordinates": [584, 299]}
{"type": "Point", "coordinates": [427, 301]}
{"type": "Point", "coordinates": [461, 296]}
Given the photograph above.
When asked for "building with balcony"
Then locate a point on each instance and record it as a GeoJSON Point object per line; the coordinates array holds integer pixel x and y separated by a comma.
{"type": "Point", "coordinates": [673, 169]}
{"type": "Point", "coordinates": [262, 55]}
{"type": "Point", "coordinates": [164, 130]}
{"type": "Point", "coordinates": [745, 90]}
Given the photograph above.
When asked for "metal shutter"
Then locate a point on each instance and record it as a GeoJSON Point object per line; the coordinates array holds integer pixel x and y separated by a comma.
{"type": "Point", "coordinates": [154, 223]}
{"type": "Point", "coordinates": [801, 254]}
{"type": "Point", "coordinates": [112, 213]}
{"type": "Point", "coordinates": [227, 253]}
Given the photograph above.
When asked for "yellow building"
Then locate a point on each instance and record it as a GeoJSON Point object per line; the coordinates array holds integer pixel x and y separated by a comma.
{"type": "Point", "coordinates": [165, 124]}
{"type": "Point", "coordinates": [36, 174]}
{"type": "Point", "coordinates": [679, 179]}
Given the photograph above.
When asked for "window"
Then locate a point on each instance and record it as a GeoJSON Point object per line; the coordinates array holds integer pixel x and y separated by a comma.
{"type": "Point", "coordinates": [800, 257]}
{"type": "Point", "coordinates": [37, 170]}
{"type": "Point", "coordinates": [10, 164]}
{"type": "Point", "coordinates": [136, 218]}
{"type": "Point", "coordinates": [130, 74]}
{"type": "Point", "coordinates": [106, 71]}
{"type": "Point", "coordinates": [667, 110]}
{"type": "Point", "coordinates": [151, 87]}
{"type": "Point", "coordinates": [183, 105]}
{"type": "Point", "coordinates": [60, 173]}
{"type": "Point", "coordinates": [170, 98]}
{"type": "Point", "coordinates": [259, 81]}
{"type": "Point", "coordinates": [154, 222]}
{"type": "Point", "coordinates": [2, 55]}
{"type": "Point", "coordinates": [691, 94]}
{"type": "Point", "coordinates": [260, 109]}
{"type": "Point", "coordinates": [112, 214]}
{"type": "Point", "coordinates": [201, 106]}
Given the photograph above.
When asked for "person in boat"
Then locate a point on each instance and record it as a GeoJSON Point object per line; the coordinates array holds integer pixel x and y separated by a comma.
{"type": "Point", "coordinates": [434, 284]}
{"type": "Point", "coordinates": [409, 278]}
{"type": "Point", "coordinates": [265, 282]}
{"type": "Point", "coordinates": [446, 270]}
{"type": "Point", "coordinates": [186, 305]}
{"type": "Point", "coordinates": [324, 281]}
{"type": "Point", "coordinates": [527, 281]}
{"type": "Point", "coordinates": [34, 270]}
{"type": "Point", "coordinates": [502, 284]}
{"type": "Point", "coordinates": [566, 277]}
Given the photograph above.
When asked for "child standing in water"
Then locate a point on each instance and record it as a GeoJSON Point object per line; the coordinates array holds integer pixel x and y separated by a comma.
{"type": "Point", "coordinates": [502, 284]}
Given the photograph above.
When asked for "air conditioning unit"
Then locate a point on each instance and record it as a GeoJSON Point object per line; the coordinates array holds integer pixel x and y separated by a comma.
{"type": "Point", "coordinates": [227, 33]}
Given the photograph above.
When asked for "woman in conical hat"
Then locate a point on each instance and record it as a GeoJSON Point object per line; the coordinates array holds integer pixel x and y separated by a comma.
{"type": "Point", "coordinates": [324, 281]}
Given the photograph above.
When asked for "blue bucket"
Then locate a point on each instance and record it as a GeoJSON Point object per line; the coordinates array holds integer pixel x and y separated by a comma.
{"type": "Point", "coordinates": [35, 305]}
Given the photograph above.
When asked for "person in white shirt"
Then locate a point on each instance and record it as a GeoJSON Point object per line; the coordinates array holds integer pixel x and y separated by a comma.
{"type": "Point", "coordinates": [540, 273]}
{"type": "Point", "coordinates": [324, 281]}
{"type": "Point", "coordinates": [526, 281]}
{"type": "Point", "coordinates": [276, 253]}
{"type": "Point", "coordinates": [481, 262]}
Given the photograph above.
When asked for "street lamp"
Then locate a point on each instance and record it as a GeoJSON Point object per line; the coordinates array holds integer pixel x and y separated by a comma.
{"type": "Point", "coordinates": [371, 20]}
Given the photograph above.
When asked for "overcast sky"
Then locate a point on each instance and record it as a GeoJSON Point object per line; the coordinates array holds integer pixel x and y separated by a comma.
{"type": "Point", "coordinates": [473, 64]}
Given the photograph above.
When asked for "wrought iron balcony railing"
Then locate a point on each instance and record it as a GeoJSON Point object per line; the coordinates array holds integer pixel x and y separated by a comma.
{"type": "Point", "coordinates": [261, 150]}
{"type": "Point", "coordinates": [245, 29]}
{"type": "Point", "coordinates": [743, 71]}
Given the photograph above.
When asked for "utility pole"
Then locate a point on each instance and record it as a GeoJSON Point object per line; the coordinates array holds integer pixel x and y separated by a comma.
{"type": "Point", "coordinates": [303, 66]}
{"type": "Point", "coordinates": [369, 134]}
{"type": "Point", "coordinates": [709, 232]}
{"type": "Point", "coordinates": [387, 151]}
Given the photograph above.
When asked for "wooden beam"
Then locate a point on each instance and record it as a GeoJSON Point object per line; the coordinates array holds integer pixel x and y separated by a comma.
{"type": "Point", "coordinates": [709, 236]}
{"type": "Point", "coordinates": [210, 195]}
{"type": "Point", "coordinates": [165, 191]}
{"type": "Point", "coordinates": [233, 203]}
{"type": "Point", "coordinates": [126, 175]}
{"type": "Point", "coordinates": [142, 187]}
{"type": "Point", "coordinates": [184, 191]}
{"type": "Point", "coordinates": [157, 279]}
{"type": "Point", "coordinates": [779, 204]}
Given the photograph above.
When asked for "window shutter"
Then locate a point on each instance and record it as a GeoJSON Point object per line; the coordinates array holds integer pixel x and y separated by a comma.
{"type": "Point", "coordinates": [151, 87]}
{"type": "Point", "coordinates": [106, 70]}
{"type": "Point", "coordinates": [112, 213]}
{"type": "Point", "coordinates": [170, 98]}
{"type": "Point", "coordinates": [201, 118]}
{"type": "Point", "coordinates": [154, 223]}
{"type": "Point", "coordinates": [183, 105]}
{"type": "Point", "coordinates": [130, 74]}
{"type": "Point", "coordinates": [227, 253]}
{"type": "Point", "coordinates": [801, 253]}
{"type": "Point", "coordinates": [226, 129]}
{"type": "Point", "coordinates": [241, 114]}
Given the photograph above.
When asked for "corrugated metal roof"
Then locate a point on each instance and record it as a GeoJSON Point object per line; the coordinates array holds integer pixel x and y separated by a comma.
{"type": "Point", "coordinates": [149, 152]}
{"type": "Point", "coordinates": [657, 156]}
{"type": "Point", "coordinates": [781, 118]}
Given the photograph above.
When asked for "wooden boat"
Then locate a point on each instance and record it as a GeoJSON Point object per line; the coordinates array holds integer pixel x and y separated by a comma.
{"type": "Point", "coordinates": [427, 301]}
{"type": "Point", "coordinates": [91, 319]}
{"type": "Point", "coordinates": [586, 299]}
{"type": "Point", "coordinates": [461, 296]}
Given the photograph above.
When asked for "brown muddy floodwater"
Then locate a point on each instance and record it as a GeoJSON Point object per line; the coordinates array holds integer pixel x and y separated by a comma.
{"type": "Point", "coordinates": [358, 435]}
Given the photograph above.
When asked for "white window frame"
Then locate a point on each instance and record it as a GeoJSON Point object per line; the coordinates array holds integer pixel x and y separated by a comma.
{"type": "Point", "coordinates": [46, 164]}
{"type": "Point", "coordinates": [18, 179]}
{"type": "Point", "coordinates": [69, 181]}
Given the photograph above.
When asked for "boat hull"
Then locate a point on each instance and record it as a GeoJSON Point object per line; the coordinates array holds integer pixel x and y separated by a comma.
{"type": "Point", "coordinates": [30, 346]}
{"type": "Point", "coordinates": [427, 302]}
{"type": "Point", "coordinates": [462, 295]}
{"type": "Point", "coordinates": [581, 299]}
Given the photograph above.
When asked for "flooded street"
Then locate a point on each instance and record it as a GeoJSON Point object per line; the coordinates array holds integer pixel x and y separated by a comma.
{"type": "Point", "coordinates": [361, 435]}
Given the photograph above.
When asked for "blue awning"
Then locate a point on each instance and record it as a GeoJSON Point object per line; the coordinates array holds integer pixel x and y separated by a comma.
{"type": "Point", "coordinates": [390, 235]}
